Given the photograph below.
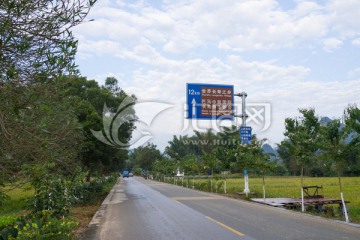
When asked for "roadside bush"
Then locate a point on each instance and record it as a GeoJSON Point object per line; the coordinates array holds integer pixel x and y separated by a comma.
{"type": "Point", "coordinates": [42, 225]}
{"type": "Point", "coordinates": [219, 186]}
{"type": "Point", "coordinates": [84, 191]}
{"type": "Point", "coordinates": [59, 194]}
{"type": "Point", "coordinates": [6, 220]}
{"type": "Point", "coordinates": [53, 195]}
{"type": "Point", "coordinates": [204, 186]}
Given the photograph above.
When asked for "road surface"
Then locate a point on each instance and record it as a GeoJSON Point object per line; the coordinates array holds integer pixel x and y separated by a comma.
{"type": "Point", "coordinates": [139, 209]}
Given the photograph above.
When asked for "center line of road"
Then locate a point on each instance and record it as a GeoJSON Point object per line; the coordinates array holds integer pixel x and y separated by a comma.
{"type": "Point", "coordinates": [226, 226]}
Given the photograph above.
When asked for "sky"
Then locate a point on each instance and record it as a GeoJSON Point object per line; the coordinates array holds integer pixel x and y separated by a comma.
{"type": "Point", "coordinates": [284, 54]}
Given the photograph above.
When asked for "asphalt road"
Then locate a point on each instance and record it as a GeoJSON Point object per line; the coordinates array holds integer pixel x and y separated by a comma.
{"type": "Point", "coordinates": [139, 209]}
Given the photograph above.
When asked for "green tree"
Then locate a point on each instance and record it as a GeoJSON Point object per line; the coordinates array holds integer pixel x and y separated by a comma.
{"type": "Point", "coordinates": [36, 41]}
{"type": "Point", "coordinates": [352, 128]}
{"type": "Point", "coordinates": [210, 161]}
{"type": "Point", "coordinates": [42, 130]}
{"type": "Point", "coordinates": [303, 134]}
{"type": "Point", "coordinates": [189, 165]}
{"type": "Point", "coordinates": [286, 151]}
{"type": "Point", "coordinates": [88, 99]}
{"type": "Point", "coordinates": [165, 166]}
{"type": "Point", "coordinates": [334, 149]}
{"type": "Point", "coordinates": [180, 147]}
{"type": "Point", "coordinates": [145, 156]}
{"type": "Point", "coordinates": [227, 141]}
{"type": "Point", "coordinates": [263, 162]}
{"type": "Point", "coordinates": [40, 134]}
{"type": "Point", "coordinates": [352, 120]}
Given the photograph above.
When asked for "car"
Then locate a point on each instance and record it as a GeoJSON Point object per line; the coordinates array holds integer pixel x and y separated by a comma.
{"type": "Point", "coordinates": [125, 173]}
{"type": "Point", "coordinates": [131, 174]}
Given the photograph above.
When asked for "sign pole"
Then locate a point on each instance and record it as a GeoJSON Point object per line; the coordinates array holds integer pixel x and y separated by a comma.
{"type": "Point", "coordinates": [244, 132]}
{"type": "Point", "coordinates": [243, 95]}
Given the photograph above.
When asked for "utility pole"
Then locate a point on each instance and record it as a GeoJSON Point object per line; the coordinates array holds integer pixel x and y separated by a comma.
{"type": "Point", "coordinates": [243, 116]}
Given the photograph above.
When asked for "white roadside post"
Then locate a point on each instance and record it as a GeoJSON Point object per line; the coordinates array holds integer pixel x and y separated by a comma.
{"type": "Point", "coordinates": [344, 207]}
{"type": "Point", "coordinates": [246, 182]}
{"type": "Point", "coordinates": [302, 200]}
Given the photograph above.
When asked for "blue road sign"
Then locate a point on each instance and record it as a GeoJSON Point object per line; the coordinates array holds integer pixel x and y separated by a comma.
{"type": "Point", "coordinates": [210, 101]}
{"type": "Point", "coordinates": [245, 134]}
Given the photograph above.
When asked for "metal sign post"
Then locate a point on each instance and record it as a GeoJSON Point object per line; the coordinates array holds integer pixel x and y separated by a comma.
{"type": "Point", "coordinates": [246, 136]}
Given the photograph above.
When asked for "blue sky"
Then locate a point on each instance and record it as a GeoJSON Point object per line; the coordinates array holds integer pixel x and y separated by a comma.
{"type": "Point", "coordinates": [285, 54]}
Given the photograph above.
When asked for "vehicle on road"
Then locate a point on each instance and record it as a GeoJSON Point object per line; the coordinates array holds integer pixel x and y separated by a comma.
{"type": "Point", "coordinates": [125, 174]}
{"type": "Point", "coordinates": [131, 174]}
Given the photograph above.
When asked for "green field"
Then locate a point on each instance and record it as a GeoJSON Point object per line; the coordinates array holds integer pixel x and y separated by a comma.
{"type": "Point", "coordinates": [287, 187]}
{"type": "Point", "coordinates": [16, 205]}
{"type": "Point", "coordinates": [19, 200]}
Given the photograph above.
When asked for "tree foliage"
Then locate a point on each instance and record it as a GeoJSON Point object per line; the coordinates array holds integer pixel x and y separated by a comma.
{"type": "Point", "coordinates": [47, 111]}
{"type": "Point", "coordinates": [303, 134]}
{"type": "Point", "coordinates": [88, 99]}
{"type": "Point", "coordinates": [208, 153]}
{"type": "Point", "coordinates": [333, 148]}
{"type": "Point", "coordinates": [145, 157]}
{"type": "Point", "coordinates": [36, 47]}
{"type": "Point", "coordinates": [36, 41]}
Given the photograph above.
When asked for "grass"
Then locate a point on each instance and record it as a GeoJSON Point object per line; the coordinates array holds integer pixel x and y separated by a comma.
{"type": "Point", "coordinates": [290, 187]}
{"type": "Point", "coordinates": [16, 205]}
{"type": "Point", "coordinates": [18, 202]}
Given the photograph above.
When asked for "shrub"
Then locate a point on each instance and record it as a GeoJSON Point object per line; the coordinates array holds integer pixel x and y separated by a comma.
{"type": "Point", "coordinates": [52, 196]}
{"type": "Point", "coordinates": [6, 220]}
{"type": "Point", "coordinates": [42, 225]}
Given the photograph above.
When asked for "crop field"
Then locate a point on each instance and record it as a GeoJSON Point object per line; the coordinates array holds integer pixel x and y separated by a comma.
{"type": "Point", "coordinates": [286, 187]}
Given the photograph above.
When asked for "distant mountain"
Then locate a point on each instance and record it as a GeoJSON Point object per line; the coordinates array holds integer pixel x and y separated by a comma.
{"type": "Point", "coordinates": [268, 149]}
{"type": "Point", "coordinates": [325, 120]}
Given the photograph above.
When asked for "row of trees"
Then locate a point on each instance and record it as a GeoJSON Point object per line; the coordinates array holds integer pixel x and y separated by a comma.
{"type": "Point", "coordinates": [322, 147]}
{"type": "Point", "coordinates": [48, 112]}
{"type": "Point", "coordinates": [313, 146]}
{"type": "Point", "coordinates": [207, 153]}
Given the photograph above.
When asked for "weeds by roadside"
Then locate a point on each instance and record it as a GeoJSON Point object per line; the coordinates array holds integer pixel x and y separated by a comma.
{"type": "Point", "coordinates": [21, 223]}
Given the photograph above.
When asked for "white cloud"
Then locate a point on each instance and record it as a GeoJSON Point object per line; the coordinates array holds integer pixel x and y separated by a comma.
{"type": "Point", "coordinates": [356, 42]}
{"type": "Point", "coordinates": [331, 44]}
{"type": "Point", "coordinates": [344, 16]}
{"type": "Point", "coordinates": [253, 45]}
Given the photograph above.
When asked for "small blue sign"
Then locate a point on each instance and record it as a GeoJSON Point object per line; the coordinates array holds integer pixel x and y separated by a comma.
{"type": "Point", "coordinates": [245, 134]}
{"type": "Point", "coordinates": [210, 101]}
